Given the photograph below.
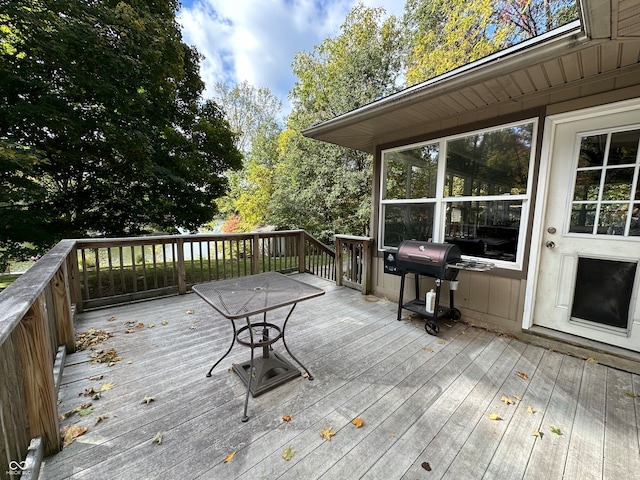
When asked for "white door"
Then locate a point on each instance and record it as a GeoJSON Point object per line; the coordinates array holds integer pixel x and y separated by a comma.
{"type": "Point", "coordinates": [588, 275]}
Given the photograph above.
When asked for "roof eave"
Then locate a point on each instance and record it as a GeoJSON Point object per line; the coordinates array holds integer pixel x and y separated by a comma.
{"type": "Point", "coordinates": [559, 41]}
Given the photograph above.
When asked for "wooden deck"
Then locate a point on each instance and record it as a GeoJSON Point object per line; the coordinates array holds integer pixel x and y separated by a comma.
{"type": "Point", "coordinates": [424, 400]}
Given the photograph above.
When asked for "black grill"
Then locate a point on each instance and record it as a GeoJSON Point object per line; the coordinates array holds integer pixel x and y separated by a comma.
{"type": "Point", "coordinates": [441, 261]}
{"type": "Point", "coordinates": [429, 259]}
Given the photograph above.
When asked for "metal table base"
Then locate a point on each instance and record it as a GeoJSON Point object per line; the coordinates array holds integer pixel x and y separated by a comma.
{"type": "Point", "coordinates": [267, 373]}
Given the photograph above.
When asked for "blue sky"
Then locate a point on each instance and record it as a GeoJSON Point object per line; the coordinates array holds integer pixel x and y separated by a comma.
{"type": "Point", "coordinates": [256, 40]}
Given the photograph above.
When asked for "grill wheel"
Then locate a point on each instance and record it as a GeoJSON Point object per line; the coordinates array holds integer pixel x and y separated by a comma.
{"type": "Point", "coordinates": [431, 327]}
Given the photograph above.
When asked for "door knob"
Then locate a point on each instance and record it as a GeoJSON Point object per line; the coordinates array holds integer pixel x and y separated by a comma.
{"type": "Point", "coordinates": [550, 244]}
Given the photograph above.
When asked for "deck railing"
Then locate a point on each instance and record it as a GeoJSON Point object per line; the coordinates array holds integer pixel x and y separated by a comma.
{"type": "Point", "coordinates": [353, 262]}
{"type": "Point", "coordinates": [126, 269]}
{"type": "Point", "coordinates": [36, 323]}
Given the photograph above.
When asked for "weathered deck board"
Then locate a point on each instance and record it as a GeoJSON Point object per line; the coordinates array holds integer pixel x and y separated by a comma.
{"type": "Point", "coordinates": [423, 399]}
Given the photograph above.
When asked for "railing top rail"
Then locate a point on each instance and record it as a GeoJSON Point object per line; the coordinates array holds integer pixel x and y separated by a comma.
{"type": "Point", "coordinates": [354, 238]}
{"type": "Point", "coordinates": [17, 298]}
{"type": "Point", "coordinates": [115, 242]}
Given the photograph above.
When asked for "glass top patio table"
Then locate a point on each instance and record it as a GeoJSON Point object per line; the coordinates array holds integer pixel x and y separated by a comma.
{"type": "Point", "coordinates": [250, 296]}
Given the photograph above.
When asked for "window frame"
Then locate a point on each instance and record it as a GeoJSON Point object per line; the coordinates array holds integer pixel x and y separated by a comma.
{"type": "Point", "coordinates": [441, 202]}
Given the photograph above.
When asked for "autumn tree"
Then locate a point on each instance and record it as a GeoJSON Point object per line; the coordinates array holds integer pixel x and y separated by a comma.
{"type": "Point", "coordinates": [444, 34]}
{"type": "Point", "coordinates": [252, 113]}
{"type": "Point", "coordinates": [326, 189]}
{"type": "Point", "coordinates": [101, 124]}
{"type": "Point", "coordinates": [441, 35]}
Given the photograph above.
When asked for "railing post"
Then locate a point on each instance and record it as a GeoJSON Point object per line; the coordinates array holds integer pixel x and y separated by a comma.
{"type": "Point", "coordinates": [255, 254]}
{"type": "Point", "coordinates": [302, 243]}
{"type": "Point", "coordinates": [40, 393]}
{"type": "Point", "coordinates": [366, 268]}
{"type": "Point", "coordinates": [74, 282]}
{"type": "Point", "coordinates": [182, 269]}
{"type": "Point", "coordinates": [62, 308]}
{"type": "Point", "coordinates": [339, 266]}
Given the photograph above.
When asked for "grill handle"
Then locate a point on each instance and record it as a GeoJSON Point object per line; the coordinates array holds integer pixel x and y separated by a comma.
{"type": "Point", "coordinates": [420, 257]}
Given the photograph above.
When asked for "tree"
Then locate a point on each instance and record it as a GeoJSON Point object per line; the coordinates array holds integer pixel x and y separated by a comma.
{"type": "Point", "coordinates": [532, 18]}
{"type": "Point", "coordinates": [101, 123]}
{"type": "Point", "coordinates": [326, 189]}
{"type": "Point", "coordinates": [445, 34]}
{"type": "Point", "coordinates": [253, 202]}
{"type": "Point", "coordinates": [247, 108]}
{"type": "Point", "coordinates": [441, 35]}
{"type": "Point", "coordinates": [253, 116]}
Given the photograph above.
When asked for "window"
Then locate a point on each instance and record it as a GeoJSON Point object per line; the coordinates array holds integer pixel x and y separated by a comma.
{"type": "Point", "coordinates": [606, 192]}
{"type": "Point", "coordinates": [471, 190]}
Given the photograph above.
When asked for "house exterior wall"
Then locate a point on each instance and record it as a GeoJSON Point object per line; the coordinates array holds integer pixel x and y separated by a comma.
{"type": "Point", "coordinates": [496, 299]}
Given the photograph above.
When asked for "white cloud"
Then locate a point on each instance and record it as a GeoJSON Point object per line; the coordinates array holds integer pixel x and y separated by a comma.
{"type": "Point", "coordinates": [256, 40]}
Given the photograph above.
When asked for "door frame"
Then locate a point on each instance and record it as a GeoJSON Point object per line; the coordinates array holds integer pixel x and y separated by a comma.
{"type": "Point", "coordinates": [551, 124]}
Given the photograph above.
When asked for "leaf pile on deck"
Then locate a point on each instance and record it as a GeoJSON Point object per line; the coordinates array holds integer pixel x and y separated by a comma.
{"type": "Point", "coordinates": [91, 338]}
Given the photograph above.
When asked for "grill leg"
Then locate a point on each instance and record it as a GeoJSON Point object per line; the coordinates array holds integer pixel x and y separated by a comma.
{"type": "Point", "coordinates": [401, 296]}
{"type": "Point", "coordinates": [437, 307]}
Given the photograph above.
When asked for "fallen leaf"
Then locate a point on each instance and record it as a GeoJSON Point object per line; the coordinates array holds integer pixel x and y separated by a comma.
{"type": "Point", "coordinates": [494, 416]}
{"type": "Point", "coordinates": [286, 418]}
{"type": "Point", "coordinates": [100, 418]}
{"type": "Point", "coordinates": [228, 458]}
{"type": "Point", "coordinates": [165, 323]}
{"type": "Point", "coordinates": [441, 342]}
{"type": "Point", "coordinates": [91, 338]}
{"type": "Point", "coordinates": [151, 325]}
{"type": "Point", "coordinates": [107, 386]}
{"type": "Point", "coordinates": [327, 433]}
{"type": "Point", "coordinates": [85, 411]}
{"type": "Point", "coordinates": [147, 399]}
{"type": "Point", "coordinates": [96, 377]}
{"type": "Point", "coordinates": [158, 438]}
{"type": "Point", "coordinates": [89, 391]}
{"type": "Point", "coordinates": [427, 349]}
{"type": "Point", "coordinates": [517, 397]}
{"type": "Point", "coordinates": [530, 410]}
{"type": "Point", "coordinates": [140, 325]}
{"type": "Point", "coordinates": [129, 330]}
{"type": "Point", "coordinates": [629, 393]}
{"type": "Point", "coordinates": [110, 356]}
{"type": "Point", "coordinates": [523, 375]}
{"type": "Point", "coordinates": [591, 360]}
{"type": "Point", "coordinates": [288, 453]}
{"type": "Point", "coordinates": [556, 430]}
{"type": "Point", "coordinates": [71, 432]}
{"type": "Point", "coordinates": [506, 400]}
{"type": "Point", "coordinates": [190, 312]}
{"type": "Point", "coordinates": [358, 422]}
{"type": "Point", "coordinates": [537, 433]}
{"type": "Point", "coordinates": [111, 318]}
{"type": "Point", "coordinates": [426, 466]}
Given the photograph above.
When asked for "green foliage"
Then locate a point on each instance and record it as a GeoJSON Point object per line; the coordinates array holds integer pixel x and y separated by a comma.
{"type": "Point", "coordinates": [445, 34]}
{"type": "Point", "coordinates": [101, 127]}
{"type": "Point", "coordinates": [326, 189]}
{"type": "Point", "coordinates": [441, 35]}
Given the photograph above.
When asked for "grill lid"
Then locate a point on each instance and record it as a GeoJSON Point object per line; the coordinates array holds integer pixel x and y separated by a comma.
{"type": "Point", "coordinates": [427, 257]}
{"type": "Point", "coordinates": [413, 253]}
